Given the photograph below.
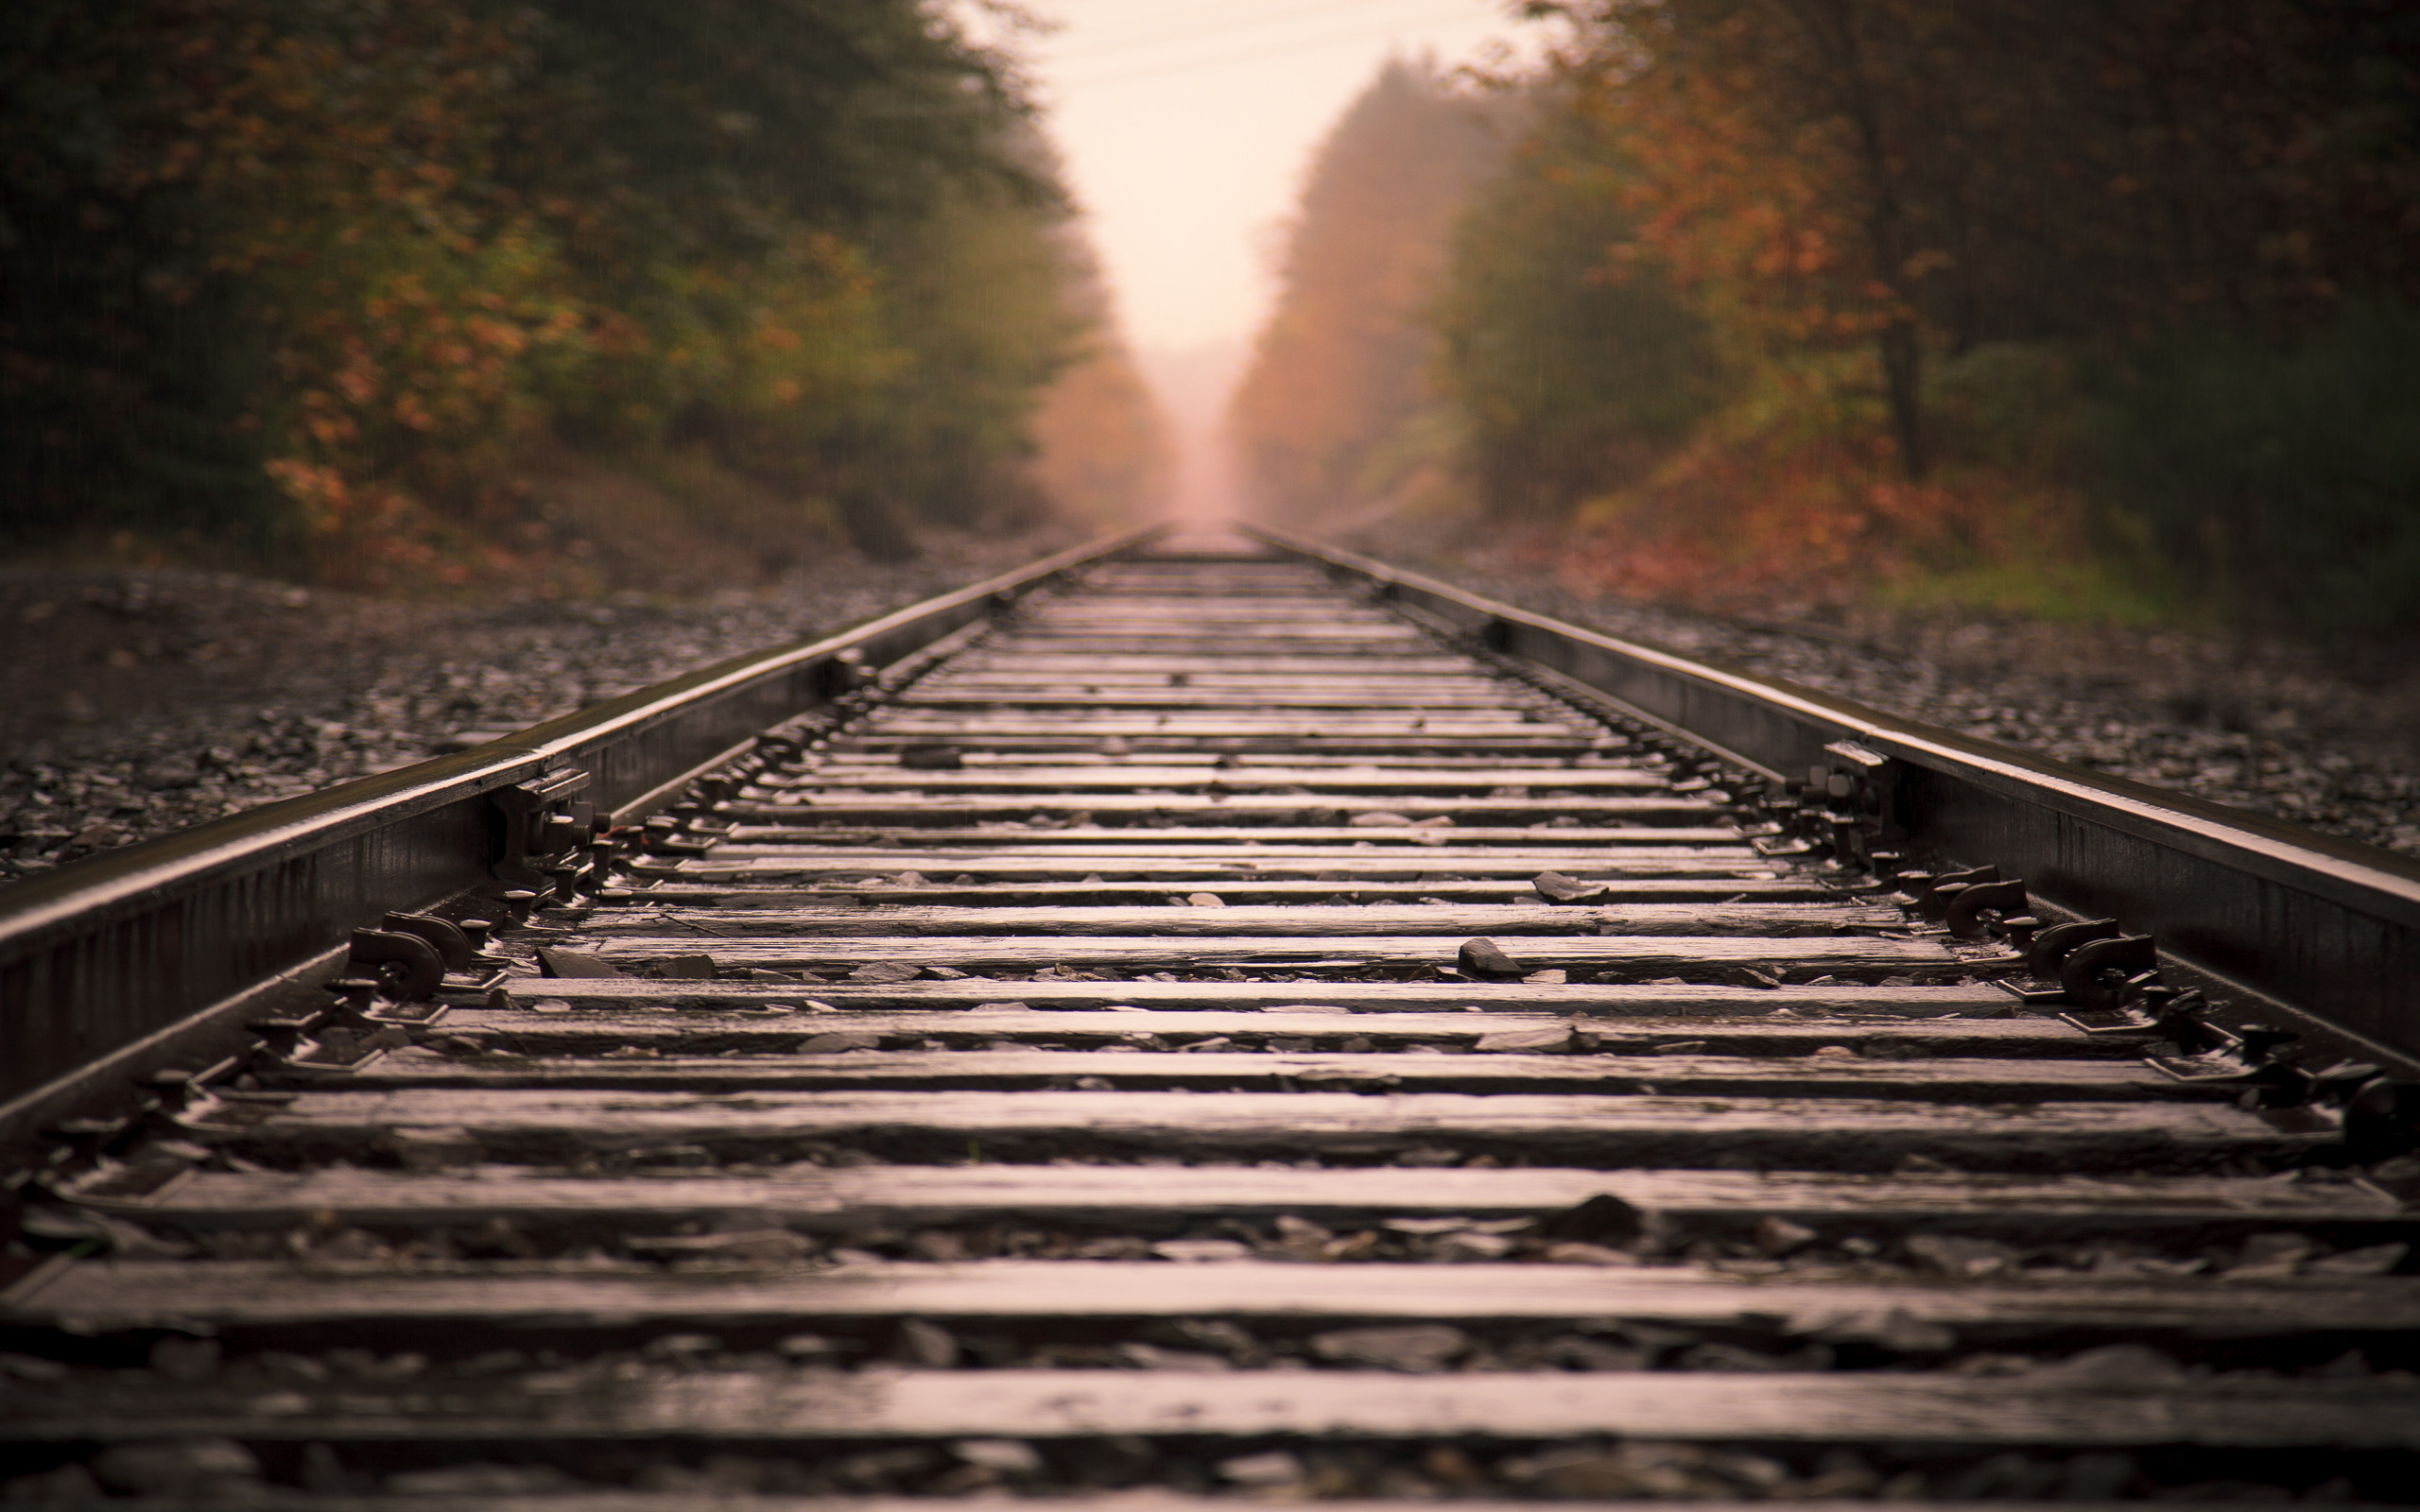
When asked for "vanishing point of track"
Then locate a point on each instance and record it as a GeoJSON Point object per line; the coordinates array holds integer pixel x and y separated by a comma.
{"type": "Point", "coordinates": [1205, 1018]}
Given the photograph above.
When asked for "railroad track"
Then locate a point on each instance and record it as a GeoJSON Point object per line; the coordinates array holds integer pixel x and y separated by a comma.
{"type": "Point", "coordinates": [1206, 1019]}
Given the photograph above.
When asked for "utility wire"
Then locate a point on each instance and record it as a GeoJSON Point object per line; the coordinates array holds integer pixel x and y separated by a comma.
{"type": "Point", "coordinates": [1306, 45]}
{"type": "Point", "coordinates": [1228, 24]}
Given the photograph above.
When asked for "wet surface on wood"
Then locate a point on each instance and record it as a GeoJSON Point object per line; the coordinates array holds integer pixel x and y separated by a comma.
{"type": "Point", "coordinates": [1178, 917]}
{"type": "Point", "coordinates": [744, 1406]}
{"type": "Point", "coordinates": [538, 1294]}
{"type": "Point", "coordinates": [1162, 1199]}
{"type": "Point", "coordinates": [849, 1066]}
{"type": "Point", "coordinates": [588, 1021]}
{"type": "Point", "coordinates": [1374, 1125]}
{"type": "Point", "coordinates": [1823, 1002]}
{"type": "Point", "coordinates": [1316, 855]}
{"type": "Point", "coordinates": [1611, 958]}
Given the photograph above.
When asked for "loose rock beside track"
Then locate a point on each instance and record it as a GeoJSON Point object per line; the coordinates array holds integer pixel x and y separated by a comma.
{"type": "Point", "coordinates": [2320, 736]}
{"type": "Point", "coordinates": [137, 702]}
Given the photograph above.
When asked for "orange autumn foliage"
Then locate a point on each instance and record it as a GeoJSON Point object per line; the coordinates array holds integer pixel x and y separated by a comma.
{"type": "Point", "coordinates": [401, 313]}
{"type": "Point", "coordinates": [1786, 525]}
{"type": "Point", "coordinates": [308, 284]}
{"type": "Point", "coordinates": [2039, 287]}
{"type": "Point", "coordinates": [1738, 207]}
{"type": "Point", "coordinates": [1328, 411]}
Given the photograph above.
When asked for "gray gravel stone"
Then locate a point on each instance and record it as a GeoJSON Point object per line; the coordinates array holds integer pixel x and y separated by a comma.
{"type": "Point", "coordinates": [135, 703]}
{"type": "Point", "coordinates": [2324, 736]}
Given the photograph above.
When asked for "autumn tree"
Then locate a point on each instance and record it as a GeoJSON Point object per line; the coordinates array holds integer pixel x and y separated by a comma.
{"type": "Point", "coordinates": [848, 150]}
{"type": "Point", "coordinates": [1338, 374]}
{"type": "Point", "coordinates": [2008, 237]}
{"type": "Point", "coordinates": [983, 295]}
{"type": "Point", "coordinates": [224, 227]}
{"type": "Point", "coordinates": [312, 274]}
{"type": "Point", "coordinates": [1103, 452]}
{"type": "Point", "coordinates": [1767, 148]}
{"type": "Point", "coordinates": [1573, 370]}
{"type": "Point", "coordinates": [1924, 177]}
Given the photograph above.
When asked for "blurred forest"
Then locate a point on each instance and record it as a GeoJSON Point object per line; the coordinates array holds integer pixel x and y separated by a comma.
{"type": "Point", "coordinates": [401, 295]}
{"type": "Point", "coordinates": [2061, 306]}
{"type": "Point", "coordinates": [1334, 409]}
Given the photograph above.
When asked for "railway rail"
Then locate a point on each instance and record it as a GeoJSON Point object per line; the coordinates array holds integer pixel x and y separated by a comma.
{"type": "Point", "coordinates": [1209, 1017]}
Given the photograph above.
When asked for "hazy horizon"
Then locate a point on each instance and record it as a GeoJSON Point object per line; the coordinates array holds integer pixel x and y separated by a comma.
{"type": "Point", "coordinates": [1185, 131]}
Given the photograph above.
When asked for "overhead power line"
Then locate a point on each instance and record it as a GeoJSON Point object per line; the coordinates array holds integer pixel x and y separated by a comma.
{"type": "Point", "coordinates": [1304, 44]}
{"type": "Point", "coordinates": [1229, 23]}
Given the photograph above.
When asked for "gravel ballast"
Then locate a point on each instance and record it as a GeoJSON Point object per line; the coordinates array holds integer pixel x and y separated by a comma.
{"type": "Point", "coordinates": [133, 703]}
{"type": "Point", "coordinates": [2324, 738]}
{"type": "Point", "coordinates": [137, 702]}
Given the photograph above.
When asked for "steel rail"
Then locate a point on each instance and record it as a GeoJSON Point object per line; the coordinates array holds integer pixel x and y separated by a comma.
{"type": "Point", "coordinates": [892, 1112]}
{"type": "Point", "coordinates": [125, 950]}
{"type": "Point", "coordinates": [107, 955]}
{"type": "Point", "coordinates": [2313, 927]}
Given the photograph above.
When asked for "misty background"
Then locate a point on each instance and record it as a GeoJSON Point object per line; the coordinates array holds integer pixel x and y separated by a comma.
{"type": "Point", "coordinates": [377, 377]}
{"type": "Point", "coordinates": [2087, 313]}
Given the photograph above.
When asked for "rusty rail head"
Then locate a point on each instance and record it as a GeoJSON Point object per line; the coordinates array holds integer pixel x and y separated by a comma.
{"type": "Point", "coordinates": [2296, 922]}
{"type": "Point", "coordinates": [106, 953]}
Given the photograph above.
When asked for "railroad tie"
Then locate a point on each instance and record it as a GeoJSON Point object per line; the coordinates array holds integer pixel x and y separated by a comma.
{"type": "Point", "coordinates": [1214, 1034]}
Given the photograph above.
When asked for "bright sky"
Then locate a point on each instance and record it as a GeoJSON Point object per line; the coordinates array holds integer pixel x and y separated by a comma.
{"type": "Point", "coordinates": [1187, 125]}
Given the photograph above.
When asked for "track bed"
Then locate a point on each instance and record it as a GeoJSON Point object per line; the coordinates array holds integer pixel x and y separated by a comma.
{"type": "Point", "coordinates": [1135, 1053]}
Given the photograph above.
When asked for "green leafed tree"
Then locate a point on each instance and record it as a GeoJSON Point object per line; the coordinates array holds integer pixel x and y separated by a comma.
{"type": "Point", "coordinates": [1572, 366]}
{"type": "Point", "coordinates": [311, 273]}
{"type": "Point", "coordinates": [985, 293]}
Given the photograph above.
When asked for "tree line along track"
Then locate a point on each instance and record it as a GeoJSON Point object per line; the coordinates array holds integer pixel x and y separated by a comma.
{"type": "Point", "coordinates": [1206, 1023]}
